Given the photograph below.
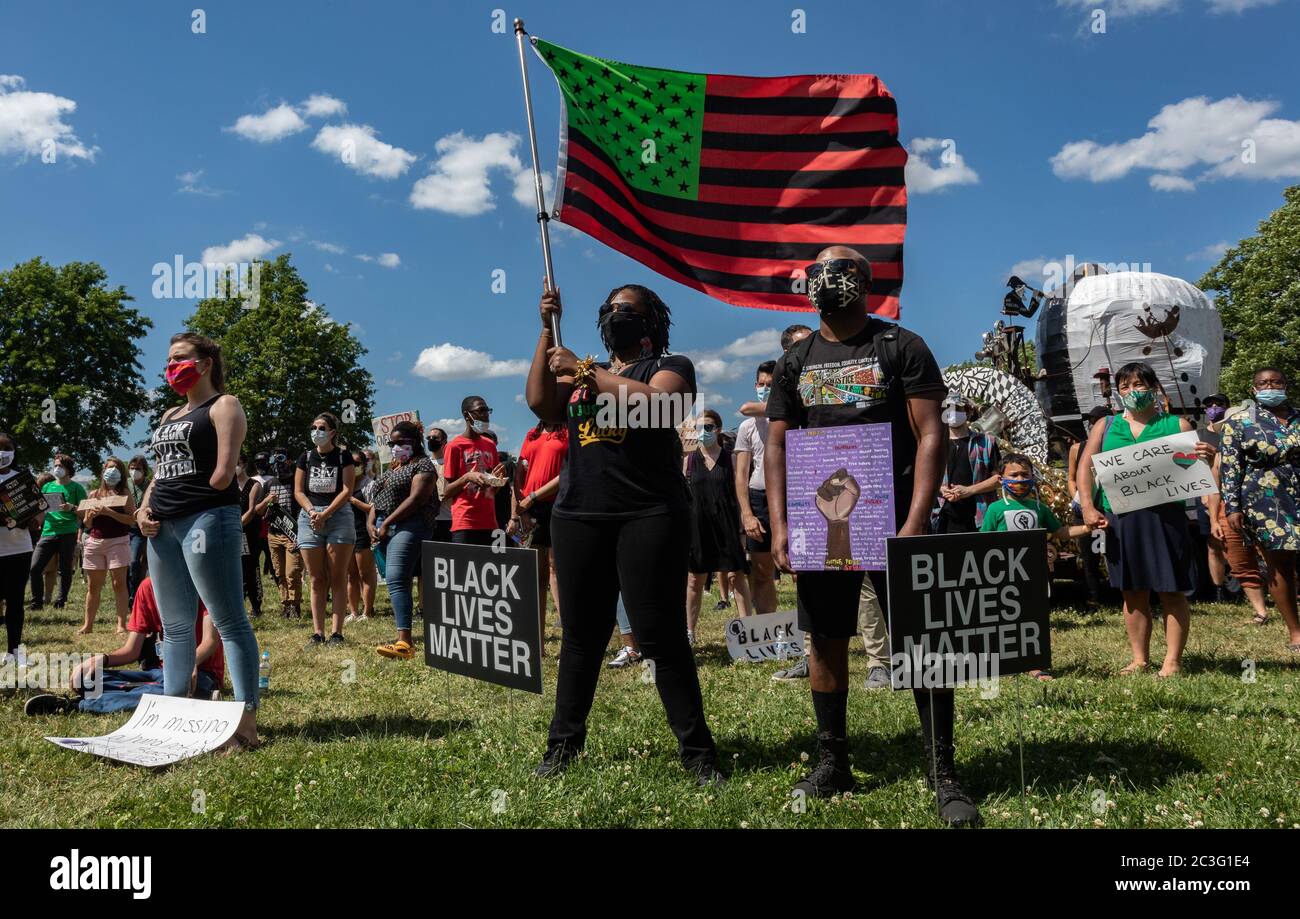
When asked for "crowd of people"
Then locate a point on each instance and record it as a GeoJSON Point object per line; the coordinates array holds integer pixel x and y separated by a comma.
{"type": "Point", "coordinates": [630, 526]}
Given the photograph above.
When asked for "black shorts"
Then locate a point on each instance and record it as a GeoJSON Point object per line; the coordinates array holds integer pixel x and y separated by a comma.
{"type": "Point", "coordinates": [441, 530]}
{"type": "Point", "coordinates": [758, 507]}
{"type": "Point", "coordinates": [539, 537]}
{"type": "Point", "coordinates": [828, 601]}
{"type": "Point", "coordinates": [363, 535]}
{"type": "Point", "coordinates": [472, 537]}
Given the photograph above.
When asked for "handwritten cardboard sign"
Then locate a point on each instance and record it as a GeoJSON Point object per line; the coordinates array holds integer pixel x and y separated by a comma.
{"type": "Point", "coordinates": [765, 637]}
{"type": "Point", "coordinates": [839, 497]}
{"type": "Point", "coordinates": [20, 499]}
{"type": "Point", "coordinates": [163, 730]}
{"type": "Point", "coordinates": [1153, 472]}
{"type": "Point", "coordinates": [383, 426]}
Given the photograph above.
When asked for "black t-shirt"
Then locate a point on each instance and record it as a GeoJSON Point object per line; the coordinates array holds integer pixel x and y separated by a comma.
{"type": "Point", "coordinates": [324, 474]}
{"type": "Point", "coordinates": [960, 473]}
{"type": "Point", "coordinates": [843, 383]}
{"type": "Point", "coordinates": [618, 472]}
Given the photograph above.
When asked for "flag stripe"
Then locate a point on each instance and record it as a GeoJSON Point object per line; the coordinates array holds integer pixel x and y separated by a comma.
{"type": "Point", "coordinates": [747, 123]}
{"type": "Point", "coordinates": [893, 210]}
{"type": "Point", "coordinates": [786, 256]}
{"type": "Point", "coordinates": [821, 85]}
{"type": "Point", "coordinates": [794, 105]}
{"type": "Point", "coordinates": [802, 178]}
{"type": "Point", "coordinates": [830, 159]}
{"type": "Point", "coordinates": [876, 141]}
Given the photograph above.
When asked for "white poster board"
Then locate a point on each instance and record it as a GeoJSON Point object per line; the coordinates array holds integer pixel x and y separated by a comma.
{"type": "Point", "coordinates": [1154, 472]}
{"type": "Point", "coordinates": [163, 730]}
{"type": "Point", "coordinates": [765, 637]}
{"type": "Point", "coordinates": [383, 426]}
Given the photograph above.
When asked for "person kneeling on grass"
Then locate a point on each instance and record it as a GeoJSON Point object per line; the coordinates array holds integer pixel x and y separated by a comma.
{"type": "Point", "coordinates": [1020, 509]}
{"type": "Point", "coordinates": [121, 690]}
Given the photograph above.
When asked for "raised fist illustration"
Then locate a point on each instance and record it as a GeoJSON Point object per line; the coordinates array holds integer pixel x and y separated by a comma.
{"type": "Point", "coordinates": [836, 498]}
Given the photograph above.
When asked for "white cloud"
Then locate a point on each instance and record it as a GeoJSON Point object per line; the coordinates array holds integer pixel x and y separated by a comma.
{"type": "Point", "coordinates": [384, 260]}
{"type": "Point", "coordinates": [1233, 137]}
{"type": "Point", "coordinates": [949, 168]}
{"type": "Point", "coordinates": [192, 184]}
{"type": "Point", "coordinates": [738, 359]}
{"type": "Point", "coordinates": [357, 147]}
{"type": "Point", "coordinates": [393, 381]}
{"type": "Point", "coordinates": [1121, 8]}
{"type": "Point", "coordinates": [252, 246]}
{"type": "Point", "coordinates": [329, 269]}
{"type": "Point", "coordinates": [1211, 253]}
{"type": "Point", "coordinates": [321, 105]}
{"type": "Point", "coordinates": [1162, 182]}
{"type": "Point", "coordinates": [332, 248]}
{"type": "Point", "coordinates": [525, 192]}
{"type": "Point", "coordinates": [30, 122]}
{"type": "Point", "coordinates": [453, 362]}
{"type": "Point", "coordinates": [458, 181]}
{"type": "Point", "coordinates": [1237, 6]}
{"type": "Point", "coordinates": [272, 125]}
{"type": "Point", "coordinates": [452, 426]}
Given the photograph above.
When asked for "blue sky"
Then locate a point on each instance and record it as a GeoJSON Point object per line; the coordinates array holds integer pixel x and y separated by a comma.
{"type": "Point", "coordinates": [1117, 146]}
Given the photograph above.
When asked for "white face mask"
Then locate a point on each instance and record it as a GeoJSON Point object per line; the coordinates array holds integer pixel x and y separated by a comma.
{"type": "Point", "coordinates": [111, 476]}
{"type": "Point", "coordinates": [320, 436]}
{"type": "Point", "coordinates": [954, 418]}
{"type": "Point", "coordinates": [137, 474]}
{"type": "Point", "coordinates": [60, 472]}
{"type": "Point", "coordinates": [6, 459]}
{"type": "Point", "coordinates": [482, 427]}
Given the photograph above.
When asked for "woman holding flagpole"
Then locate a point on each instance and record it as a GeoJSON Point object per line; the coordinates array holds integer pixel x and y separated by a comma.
{"type": "Point", "coordinates": [619, 517]}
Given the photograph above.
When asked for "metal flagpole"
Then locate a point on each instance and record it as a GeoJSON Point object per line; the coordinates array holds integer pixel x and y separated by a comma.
{"type": "Point", "coordinates": [543, 218]}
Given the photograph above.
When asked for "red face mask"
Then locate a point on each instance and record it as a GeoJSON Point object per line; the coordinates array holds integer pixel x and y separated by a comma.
{"type": "Point", "coordinates": [182, 375]}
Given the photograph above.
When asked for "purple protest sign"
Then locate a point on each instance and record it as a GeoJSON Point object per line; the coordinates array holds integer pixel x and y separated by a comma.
{"type": "Point", "coordinates": [839, 497]}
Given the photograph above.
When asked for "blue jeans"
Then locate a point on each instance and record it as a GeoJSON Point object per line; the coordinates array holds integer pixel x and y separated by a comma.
{"type": "Point", "coordinates": [137, 572]}
{"type": "Point", "coordinates": [624, 625]}
{"type": "Point", "coordinates": [198, 557]}
{"type": "Point", "coordinates": [401, 552]}
{"type": "Point", "coordinates": [123, 689]}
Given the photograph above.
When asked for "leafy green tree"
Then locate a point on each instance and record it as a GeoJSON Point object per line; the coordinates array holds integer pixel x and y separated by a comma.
{"type": "Point", "coordinates": [70, 377]}
{"type": "Point", "coordinates": [286, 360]}
{"type": "Point", "coordinates": [1257, 291]}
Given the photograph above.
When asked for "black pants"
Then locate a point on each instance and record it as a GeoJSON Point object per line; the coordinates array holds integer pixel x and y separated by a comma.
{"type": "Point", "coordinates": [262, 554]}
{"type": "Point", "coordinates": [472, 537]}
{"type": "Point", "coordinates": [252, 576]}
{"type": "Point", "coordinates": [66, 547]}
{"type": "Point", "coordinates": [646, 557]}
{"type": "Point", "coordinates": [13, 584]}
{"type": "Point", "coordinates": [1090, 561]}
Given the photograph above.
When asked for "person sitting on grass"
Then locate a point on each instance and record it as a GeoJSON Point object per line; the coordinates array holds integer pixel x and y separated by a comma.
{"type": "Point", "coordinates": [1020, 509]}
{"type": "Point", "coordinates": [121, 690]}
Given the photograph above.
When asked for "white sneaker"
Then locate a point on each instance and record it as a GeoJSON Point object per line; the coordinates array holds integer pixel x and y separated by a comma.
{"type": "Point", "coordinates": [20, 655]}
{"type": "Point", "coordinates": [6, 659]}
{"type": "Point", "coordinates": [625, 657]}
{"type": "Point", "coordinates": [350, 617]}
{"type": "Point", "coordinates": [690, 638]}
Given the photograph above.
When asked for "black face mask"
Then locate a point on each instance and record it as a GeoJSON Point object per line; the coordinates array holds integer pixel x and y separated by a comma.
{"type": "Point", "coordinates": [832, 291]}
{"type": "Point", "coordinates": [434, 444]}
{"type": "Point", "coordinates": [621, 330]}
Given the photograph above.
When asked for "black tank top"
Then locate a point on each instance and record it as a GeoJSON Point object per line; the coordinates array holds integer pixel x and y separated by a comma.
{"type": "Point", "coordinates": [185, 455]}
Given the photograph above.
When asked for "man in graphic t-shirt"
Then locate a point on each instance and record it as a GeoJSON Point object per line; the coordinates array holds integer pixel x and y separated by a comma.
{"type": "Point", "coordinates": [473, 473]}
{"type": "Point", "coordinates": [838, 377]}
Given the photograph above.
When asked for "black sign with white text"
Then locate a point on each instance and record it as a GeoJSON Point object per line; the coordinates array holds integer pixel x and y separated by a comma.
{"type": "Point", "coordinates": [966, 604]}
{"type": "Point", "coordinates": [480, 613]}
{"type": "Point", "coordinates": [20, 499]}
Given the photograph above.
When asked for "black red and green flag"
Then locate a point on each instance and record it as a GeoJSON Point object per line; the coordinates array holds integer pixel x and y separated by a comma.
{"type": "Point", "coordinates": [732, 185]}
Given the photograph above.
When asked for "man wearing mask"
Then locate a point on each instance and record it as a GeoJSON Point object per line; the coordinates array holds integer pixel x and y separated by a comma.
{"type": "Point", "coordinates": [751, 493]}
{"type": "Point", "coordinates": [58, 532]}
{"type": "Point", "coordinates": [971, 478]}
{"type": "Point", "coordinates": [437, 444]}
{"type": "Point", "coordinates": [474, 473]}
{"type": "Point", "coordinates": [862, 370]}
{"type": "Point", "coordinates": [280, 511]}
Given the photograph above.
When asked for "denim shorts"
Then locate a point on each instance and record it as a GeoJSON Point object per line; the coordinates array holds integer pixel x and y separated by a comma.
{"type": "Point", "coordinates": [340, 529]}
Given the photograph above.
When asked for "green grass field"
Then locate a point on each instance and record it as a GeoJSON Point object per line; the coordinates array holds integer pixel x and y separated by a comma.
{"type": "Point", "coordinates": [354, 740]}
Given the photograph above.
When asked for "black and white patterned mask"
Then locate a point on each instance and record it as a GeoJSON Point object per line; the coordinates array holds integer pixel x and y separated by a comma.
{"type": "Point", "coordinates": [831, 290]}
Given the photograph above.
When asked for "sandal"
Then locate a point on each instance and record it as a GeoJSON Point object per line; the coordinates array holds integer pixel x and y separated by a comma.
{"type": "Point", "coordinates": [1043, 676]}
{"type": "Point", "coordinates": [1260, 619]}
{"type": "Point", "coordinates": [1135, 667]}
{"type": "Point", "coordinates": [238, 743]}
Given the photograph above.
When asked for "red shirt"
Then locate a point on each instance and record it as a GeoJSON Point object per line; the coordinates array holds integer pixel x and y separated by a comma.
{"type": "Point", "coordinates": [145, 620]}
{"type": "Point", "coordinates": [543, 452]}
{"type": "Point", "coordinates": [474, 507]}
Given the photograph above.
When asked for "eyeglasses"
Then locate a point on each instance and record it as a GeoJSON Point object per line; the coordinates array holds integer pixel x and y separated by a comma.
{"type": "Point", "coordinates": [709, 427]}
{"type": "Point", "coordinates": [621, 306]}
{"type": "Point", "coordinates": [836, 264]}
{"type": "Point", "coordinates": [279, 458]}
{"type": "Point", "coordinates": [482, 410]}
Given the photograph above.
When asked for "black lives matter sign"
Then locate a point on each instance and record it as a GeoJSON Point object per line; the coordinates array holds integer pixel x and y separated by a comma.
{"type": "Point", "coordinates": [480, 613]}
{"type": "Point", "coordinates": [20, 499]}
{"type": "Point", "coordinates": [974, 600]}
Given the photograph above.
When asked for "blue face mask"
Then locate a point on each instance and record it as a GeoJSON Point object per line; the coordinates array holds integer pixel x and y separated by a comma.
{"type": "Point", "coordinates": [708, 438]}
{"type": "Point", "coordinates": [1270, 397]}
{"type": "Point", "coordinates": [1019, 488]}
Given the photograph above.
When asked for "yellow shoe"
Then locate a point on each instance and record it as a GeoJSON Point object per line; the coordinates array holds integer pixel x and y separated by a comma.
{"type": "Point", "coordinates": [398, 649]}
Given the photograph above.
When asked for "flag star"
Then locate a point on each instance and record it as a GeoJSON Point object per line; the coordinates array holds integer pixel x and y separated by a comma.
{"type": "Point", "coordinates": [686, 138]}
{"type": "Point", "coordinates": [681, 186]}
{"type": "Point", "coordinates": [591, 81]}
{"type": "Point", "coordinates": [658, 134]}
{"type": "Point", "coordinates": [670, 172]}
{"type": "Point", "coordinates": [646, 94]}
{"type": "Point", "coordinates": [550, 56]}
{"type": "Point", "coordinates": [604, 97]}
{"type": "Point", "coordinates": [577, 63]}
{"type": "Point", "coordinates": [660, 108]}
{"type": "Point", "coordinates": [690, 112]}
{"type": "Point", "coordinates": [628, 151]}
{"type": "Point", "coordinates": [672, 148]}
{"type": "Point", "coordinates": [645, 119]}
{"type": "Point", "coordinates": [654, 181]}
{"type": "Point", "coordinates": [663, 84]}
{"type": "Point", "coordinates": [642, 166]}
{"type": "Point", "coordinates": [672, 122]}
{"type": "Point", "coordinates": [618, 135]}
{"type": "Point", "coordinates": [604, 72]}
{"type": "Point", "coordinates": [685, 162]}
{"type": "Point", "coordinates": [564, 72]}
{"type": "Point", "coordinates": [690, 87]}
{"type": "Point", "coordinates": [617, 111]}
{"type": "Point", "coordinates": [676, 98]}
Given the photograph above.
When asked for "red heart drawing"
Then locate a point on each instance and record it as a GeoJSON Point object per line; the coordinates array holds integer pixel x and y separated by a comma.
{"type": "Point", "coordinates": [1186, 460]}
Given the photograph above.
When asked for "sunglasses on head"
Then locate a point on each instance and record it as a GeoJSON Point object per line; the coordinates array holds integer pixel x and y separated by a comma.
{"type": "Point", "coordinates": [835, 264]}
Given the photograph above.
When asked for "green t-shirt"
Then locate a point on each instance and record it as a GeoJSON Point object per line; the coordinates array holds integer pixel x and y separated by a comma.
{"type": "Point", "coordinates": [1029, 514]}
{"type": "Point", "coordinates": [1119, 434]}
{"type": "Point", "coordinates": [63, 519]}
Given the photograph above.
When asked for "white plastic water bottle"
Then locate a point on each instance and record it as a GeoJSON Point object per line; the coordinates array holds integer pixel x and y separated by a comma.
{"type": "Point", "coordinates": [264, 672]}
